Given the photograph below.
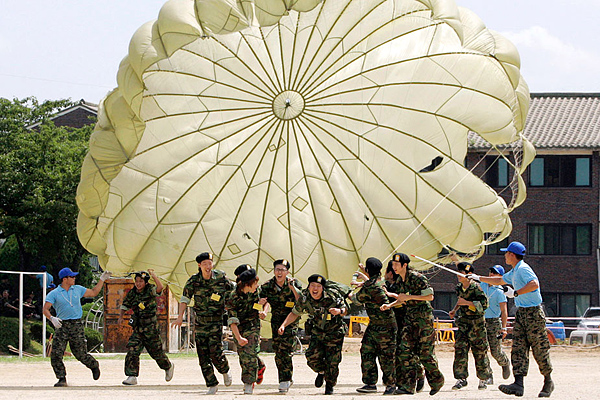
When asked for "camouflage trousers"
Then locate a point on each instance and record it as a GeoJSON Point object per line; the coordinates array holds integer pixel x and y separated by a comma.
{"type": "Point", "coordinates": [70, 332]}
{"type": "Point", "coordinates": [209, 346]}
{"type": "Point", "coordinates": [324, 353]}
{"type": "Point", "coordinates": [471, 334]}
{"type": "Point", "coordinates": [378, 341]}
{"type": "Point", "coordinates": [283, 345]}
{"type": "Point", "coordinates": [416, 343]}
{"type": "Point", "coordinates": [493, 327]}
{"type": "Point", "coordinates": [529, 331]}
{"type": "Point", "coordinates": [248, 354]}
{"type": "Point", "coordinates": [145, 337]}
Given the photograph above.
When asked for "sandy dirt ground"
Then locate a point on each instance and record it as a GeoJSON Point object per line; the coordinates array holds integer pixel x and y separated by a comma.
{"type": "Point", "coordinates": [576, 374]}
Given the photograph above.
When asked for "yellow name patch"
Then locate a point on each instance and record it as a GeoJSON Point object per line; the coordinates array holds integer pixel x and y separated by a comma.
{"type": "Point", "coordinates": [215, 297]}
{"type": "Point", "coordinates": [328, 317]}
{"type": "Point", "coordinates": [289, 304]}
{"type": "Point", "coordinates": [257, 306]}
{"type": "Point", "coordinates": [142, 306]}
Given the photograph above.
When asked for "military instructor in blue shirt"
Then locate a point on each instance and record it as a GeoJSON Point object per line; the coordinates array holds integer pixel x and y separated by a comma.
{"type": "Point", "coordinates": [66, 300]}
{"type": "Point", "coordinates": [529, 329]}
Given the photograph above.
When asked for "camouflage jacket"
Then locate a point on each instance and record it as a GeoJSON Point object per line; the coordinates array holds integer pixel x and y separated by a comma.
{"type": "Point", "coordinates": [281, 299]}
{"type": "Point", "coordinates": [416, 284]}
{"type": "Point", "coordinates": [142, 303]}
{"type": "Point", "coordinates": [208, 294]}
{"type": "Point", "coordinates": [475, 294]}
{"type": "Point", "coordinates": [372, 296]}
{"type": "Point", "coordinates": [243, 308]}
{"type": "Point", "coordinates": [318, 310]}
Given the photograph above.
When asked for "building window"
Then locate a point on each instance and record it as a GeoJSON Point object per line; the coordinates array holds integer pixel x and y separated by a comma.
{"type": "Point", "coordinates": [494, 248]}
{"type": "Point", "coordinates": [497, 171]}
{"type": "Point", "coordinates": [444, 301]}
{"type": "Point", "coordinates": [560, 239]}
{"type": "Point", "coordinates": [566, 171]}
{"type": "Point", "coordinates": [573, 305]}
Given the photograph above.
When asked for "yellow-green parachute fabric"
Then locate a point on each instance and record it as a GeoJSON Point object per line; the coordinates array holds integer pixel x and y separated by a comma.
{"type": "Point", "coordinates": [323, 132]}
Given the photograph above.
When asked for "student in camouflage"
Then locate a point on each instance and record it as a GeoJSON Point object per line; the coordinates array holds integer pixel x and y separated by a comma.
{"type": "Point", "coordinates": [379, 340]}
{"type": "Point", "coordinates": [529, 329]}
{"type": "Point", "coordinates": [142, 300]}
{"type": "Point", "coordinates": [281, 293]}
{"type": "Point", "coordinates": [326, 308]}
{"type": "Point", "coordinates": [471, 333]}
{"type": "Point", "coordinates": [496, 318]}
{"type": "Point", "coordinates": [245, 312]}
{"type": "Point", "coordinates": [391, 290]}
{"type": "Point", "coordinates": [66, 300]}
{"type": "Point", "coordinates": [417, 338]}
{"type": "Point", "coordinates": [208, 288]}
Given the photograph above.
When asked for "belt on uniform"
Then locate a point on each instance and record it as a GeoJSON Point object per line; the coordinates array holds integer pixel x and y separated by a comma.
{"type": "Point", "coordinates": [71, 321]}
{"type": "Point", "coordinates": [208, 319]}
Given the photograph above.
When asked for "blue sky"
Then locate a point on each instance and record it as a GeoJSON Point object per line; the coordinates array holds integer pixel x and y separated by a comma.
{"type": "Point", "coordinates": [72, 48]}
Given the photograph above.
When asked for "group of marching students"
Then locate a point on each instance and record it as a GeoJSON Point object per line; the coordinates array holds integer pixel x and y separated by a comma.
{"type": "Point", "coordinates": [400, 332]}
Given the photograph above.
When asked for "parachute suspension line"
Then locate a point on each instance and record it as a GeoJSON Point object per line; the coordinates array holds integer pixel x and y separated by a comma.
{"type": "Point", "coordinates": [437, 205]}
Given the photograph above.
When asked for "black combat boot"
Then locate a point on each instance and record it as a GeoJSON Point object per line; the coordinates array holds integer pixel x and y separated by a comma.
{"type": "Point", "coordinates": [420, 384]}
{"type": "Point", "coordinates": [514, 388]}
{"type": "Point", "coordinates": [319, 379]}
{"type": "Point", "coordinates": [548, 387]}
{"type": "Point", "coordinates": [328, 388]}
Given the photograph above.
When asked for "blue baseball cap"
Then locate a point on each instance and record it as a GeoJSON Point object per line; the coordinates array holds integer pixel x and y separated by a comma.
{"type": "Point", "coordinates": [43, 268]}
{"type": "Point", "coordinates": [65, 272]}
{"type": "Point", "coordinates": [497, 269]}
{"type": "Point", "coordinates": [515, 247]}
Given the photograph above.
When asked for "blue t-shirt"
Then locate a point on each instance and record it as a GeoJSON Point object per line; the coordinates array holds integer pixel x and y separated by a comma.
{"type": "Point", "coordinates": [495, 296]}
{"type": "Point", "coordinates": [67, 303]}
{"type": "Point", "coordinates": [49, 279]}
{"type": "Point", "coordinates": [520, 276]}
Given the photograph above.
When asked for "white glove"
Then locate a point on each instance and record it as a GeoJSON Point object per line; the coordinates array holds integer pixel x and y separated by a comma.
{"type": "Point", "coordinates": [508, 291]}
{"type": "Point", "coordinates": [474, 277]}
{"type": "Point", "coordinates": [57, 322]}
{"type": "Point", "coordinates": [105, 275]}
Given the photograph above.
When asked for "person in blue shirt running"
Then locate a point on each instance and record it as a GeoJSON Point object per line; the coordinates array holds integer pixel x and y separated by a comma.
{"type": "Point", "coordinates": [66, 300]}
{"type": "Point", "coordinates": [529, 329]}
{"type": "Point", "coordinates": [496, 317]}
{"type": "Point", "coordinates": [49, 278]}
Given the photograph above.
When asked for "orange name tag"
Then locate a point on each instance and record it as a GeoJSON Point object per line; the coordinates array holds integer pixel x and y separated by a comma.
{"type": "Point", "coordinates": [215, 297]}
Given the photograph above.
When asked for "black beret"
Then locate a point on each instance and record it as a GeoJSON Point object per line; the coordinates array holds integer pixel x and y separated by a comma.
{"type": "Point", "coordinates": [401, 258]}
{"type": "Point", "coordinates": [466, 267]}
{"type": "Point", "coordinates": [242, 268]}
{"type": "Point", "coordinates": [142, 274]}
{"type": "Point", "coordinates": [283, 262]}
{"type": "Point", "coordinates": [204, 256]}
{"type": "Point", "coordinates": [317, 278]}
{"type": "Point", "coordinates": [246, 275]}
{"type": "Point", "coordinates": [373, 266]}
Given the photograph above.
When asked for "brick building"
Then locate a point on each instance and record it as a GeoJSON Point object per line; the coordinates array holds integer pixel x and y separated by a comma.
{"type": "Point", "coordinates": [76, 116]}
{"type": "Point", "coordinates": [559, 221]}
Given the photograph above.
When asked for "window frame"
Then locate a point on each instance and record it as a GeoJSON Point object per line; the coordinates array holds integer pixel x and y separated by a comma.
{"type": "Point", "coordinates": [561, 229]}
{"type": "Point", "coordinates": [561, 161]}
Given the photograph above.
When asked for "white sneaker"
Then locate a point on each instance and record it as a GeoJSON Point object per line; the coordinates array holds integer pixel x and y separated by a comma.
{"type": "Point", "coordinates": [131, 380]}
{"type": "Point", "coordinates": [248, 388]}
{"type": "Point", "coordinates": [227, 378]}
{"type": "Point", "coordinates": [213, 389]}
{"type": "Point", "coordinates": [169, 373]}
{"type": "Point", "coordinates": [284, 386]}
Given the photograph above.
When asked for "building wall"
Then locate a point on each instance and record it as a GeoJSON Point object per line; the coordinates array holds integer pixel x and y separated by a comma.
{"type": "Point", "coordinates": [557, 273]}
{"type": "Point", "coordinates": [77, 118]}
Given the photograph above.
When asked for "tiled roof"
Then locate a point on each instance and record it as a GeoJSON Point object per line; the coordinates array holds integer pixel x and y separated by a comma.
{"type": "Point", "coordinates": [559, 121]}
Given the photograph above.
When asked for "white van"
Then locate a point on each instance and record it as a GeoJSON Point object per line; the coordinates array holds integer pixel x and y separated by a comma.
{"type": "Point", "coordinates": [585, 338]}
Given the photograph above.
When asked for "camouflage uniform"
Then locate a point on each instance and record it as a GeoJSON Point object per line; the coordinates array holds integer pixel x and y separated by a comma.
{"type": "Point", "coordinates": [282, 300]}
{"type": "Point", "coordinates": [416, 341]}
{"type": "Point", "coordinates": [209, 306]}
{"type": "Point", "coordinates": [471, 333]}
{"type": "Point", "coordinates": [243, 310]}
{"type": "Point", "coordinates": [324, 352]}
{"type": "Point", "coordinates": [71, 332]}
{"type": "Point", "coordinates": [379, 339]}
{"type": "Point", "coordinates": [529, 330]}
{"type": "Point", "coordinates": [145, 330]}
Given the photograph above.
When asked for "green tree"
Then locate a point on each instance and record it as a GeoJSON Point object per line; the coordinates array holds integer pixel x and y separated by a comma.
{"type": "Point", "coordinates": [38, 181]}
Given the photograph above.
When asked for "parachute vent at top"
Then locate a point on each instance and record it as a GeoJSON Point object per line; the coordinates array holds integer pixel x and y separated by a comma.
{"type": "Point", "coordinates": [322, 132]}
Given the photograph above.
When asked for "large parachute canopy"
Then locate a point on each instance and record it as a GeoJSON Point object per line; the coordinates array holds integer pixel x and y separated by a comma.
{"type": "Point", "coordinates": [321, 131]}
